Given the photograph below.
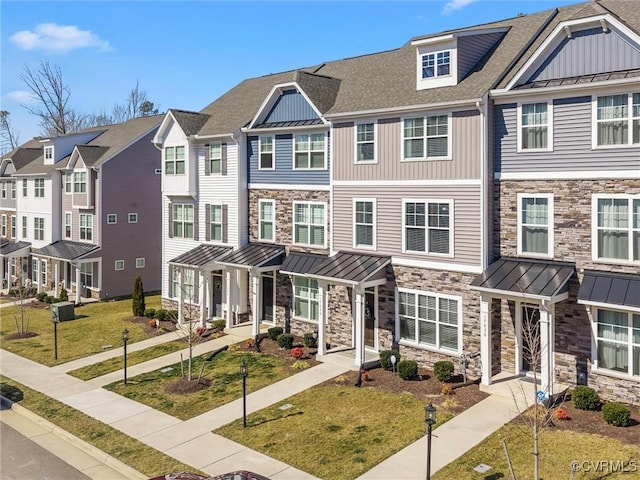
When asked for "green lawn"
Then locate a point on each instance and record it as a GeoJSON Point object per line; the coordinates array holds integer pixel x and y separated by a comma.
{"type": "Point", "coordinates": [97, 327]}
{"type": "Point", "coordinates": [335, 432]}
{"type": "Point", "coordinates": [126, 449]}
{"type": "Point", "coordinates": [223, 370]}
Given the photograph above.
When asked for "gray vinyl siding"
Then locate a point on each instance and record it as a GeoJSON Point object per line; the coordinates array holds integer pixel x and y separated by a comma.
{"type": "Point", "coordinates": [588, 52]}
{"type": "Point", "coordinates": [465, 145]}
{"type": "Point", "coordinates": [572, 150]}
{"type": "Point", "coordinates": [290, 106]}
{"type": "Point", "coordinates": [389, 218]}
{"type": "Point", "coordinates": [284, 172]}
{"type": "Point", "coordinates": [471, 49]}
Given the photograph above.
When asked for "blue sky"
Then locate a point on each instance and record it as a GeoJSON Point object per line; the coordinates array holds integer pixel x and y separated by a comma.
{"type": "Point", "coordinates": [186, 54]}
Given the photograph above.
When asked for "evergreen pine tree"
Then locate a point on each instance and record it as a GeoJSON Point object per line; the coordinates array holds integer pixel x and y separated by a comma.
{"type": "Point", "coordinates": [138, 298]}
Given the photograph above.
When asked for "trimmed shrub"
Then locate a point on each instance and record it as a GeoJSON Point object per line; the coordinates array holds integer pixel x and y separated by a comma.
{"type": "Point", "coordinates": [64, 295]}
{"type": "Point", "coordinates": [150, 312]}
{"type": "Point", "coordinates": [616, 414]}
{"type": "Point", "coordinates": [443, 370]}
{"type": "Point", "coordinates": [161, 314]}
{"type": "Point", "coordinates": [40, 296]}
{"type": "Point", "coordinates": [172, 316]}
{"type": "Point", "coordinates": [48, 299]}
{"type": "Point", "coordinates": [285, 340]}
{"type": "Point", "coordinates": [309, 341]}
{"type": "Point", "coordinates": [585, 398]}
{"type": "Point", "coordinates": [407, 369]}
{"type": "Point", "coordinates": [385, 359]}
{"type": "Point", "coordinates": [275, 332]}
{"type": "Point", "coordinates": [218, 325]}
{"type": "Point", "coordinates": [137, 298]}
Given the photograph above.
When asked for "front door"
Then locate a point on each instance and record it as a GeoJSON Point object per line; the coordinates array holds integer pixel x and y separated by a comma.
{"type": "Point", "coordinates": [267, 297]}
{"type": "Point", "coordinates": [530, 339]}
{"type": "Point", "coordinates": [216, 282]}
{"type": "Point", "coordinates": [370, 318]}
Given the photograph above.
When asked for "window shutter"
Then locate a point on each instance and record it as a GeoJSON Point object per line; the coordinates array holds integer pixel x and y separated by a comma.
{"type": "Point", "coordinates": [207, 222]}
{"type": "Point", "coordinates": [207, 160]}
{"type": "Point", "coordinates": [170, 220]}
{"type": "Point", "coordinates": [196, 222]}
{"type": "Point", "coordinates": [223, 166]}
{"type": "Point", "coordinates": [224, 223]}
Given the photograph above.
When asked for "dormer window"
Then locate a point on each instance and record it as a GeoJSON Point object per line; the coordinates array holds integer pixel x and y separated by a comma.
{"type": "Point", "coordinates": [437, 64]}
{"type": "Point", "coordinates": [48, 153]}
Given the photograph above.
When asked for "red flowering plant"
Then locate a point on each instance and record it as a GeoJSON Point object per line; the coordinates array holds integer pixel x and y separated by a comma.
{"type": "Point", "coordinates": [297, 352]}
{"type": "Point", "coordinates": [561, 414]}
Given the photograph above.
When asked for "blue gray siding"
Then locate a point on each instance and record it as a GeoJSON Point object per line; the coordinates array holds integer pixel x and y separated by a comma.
{"type": "Point", "coordinates": [284, 173]}
{"type": "Point", "coordinates": [588, 52]}
{"type": "Point", "coordinates": [291, 106]}
{"type": "Point", "coordinates": [572, 150]}
{"type": "Point", "coordinates": [471, 49]}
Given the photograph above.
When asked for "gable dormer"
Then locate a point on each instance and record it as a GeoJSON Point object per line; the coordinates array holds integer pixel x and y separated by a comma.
{"type": "Point", "coordinates": [56, 148]}
{"type": "Point", "coordinates": [447, 59]}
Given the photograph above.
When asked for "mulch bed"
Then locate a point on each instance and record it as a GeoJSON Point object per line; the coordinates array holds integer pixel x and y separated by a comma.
{"type": "Point", "coordinates": [271, 347]}
{"type": "Point", "coordinates": [150, 330]}
{"type": "Point", "coordinates": [182, 385]}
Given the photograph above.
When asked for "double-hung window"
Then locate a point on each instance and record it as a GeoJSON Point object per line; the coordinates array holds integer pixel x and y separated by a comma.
{"type": "Point", "coordinates": [426, 137]}
{"type": "Point", "coordinates": [266, 220]}
{"type": "Point", "coordinates": [617, 120]}
{"type": "Point", "coordinates": [79, 182]}
{"type": "Point", "coordinates": [215, 158]}
{"type": "Point", "coordinates": [13, 189]}
{"type": "Point", "coordinates": [618, 341]}
{"type": "Point", "coordinates": [25, 228]}
{"type": "Point", "coordinates": [309, 224]}
{"type": "Point", "coordinates": [174, 160]}
{"type": "Point", "coordinates": [38, 188]}
{"type": "Point", "coordinates": [68, 181]}
{"type": "Point", "coordinates": [35, 270]}
{"type": "Point", "coordinates": [24, 187]}
{"type": "Point", "coordinates": [436, 64]}
{"type": "Point", "coordinates": [67, 224]}
{"type": "Point", "coordinates": [13, 226]}
{"type": "Point", "coordinates": [86, 274]}
{"type": "Point", "coordinates": [216, 223]}
{"type": "Point", "coordinates": [3, 190]}
{"type": "Point", "coordinates": [43, 272]}
{"type": "Point", "coordinates": [364, 223]}
{"type": "Point", "coordinates": [616, 221]}
{"type": "Point", "coordinates": [182, 220]}
{"type": "Point", "coordinates": [365, 142]}
{"type": "Point", "coordinates": [38, 228]}
{"type": "Point", "coordinates": [535, 126]}
{"type": "Point", "coordinates": [86, 226]}
{"type": "Point", "coordinates": [265, 153]}
{"type": "Point", "coordinates": [309, 151]}
{"type": "Point", "coordinates": [427, 226]}
{"type": "Point", "coordinates": [306, 300]}
{"type": "Point", "coordinates": [431, 320]}
{"type": "Point", "coordinates": [535, 224]}
{"type": "Point", "coordinates": [48, 153]}
{"type": "Point", "coordinates": [3, 225]}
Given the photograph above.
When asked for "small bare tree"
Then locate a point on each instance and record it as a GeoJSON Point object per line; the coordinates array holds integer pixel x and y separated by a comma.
{"type": "Point", "coordinates": [20, 294]}
{"type": "Point", "coordinates": [9, 136]}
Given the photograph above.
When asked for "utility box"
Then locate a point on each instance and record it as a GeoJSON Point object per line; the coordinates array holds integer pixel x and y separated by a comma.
{"type": "Point", "coordinates": [62, 311]}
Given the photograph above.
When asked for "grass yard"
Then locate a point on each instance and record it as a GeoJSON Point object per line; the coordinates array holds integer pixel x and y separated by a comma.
{"type": "Point", "coordinates": [557, 450]}
{"type": "Point", "coordinates": [133, 358]}
{"type": "Point", "coordinates": [126, 449]}
{"type": "Point", "coordinates": [97, 327]}
{"type": "Point", "coordinates": [223, 371]}
{"type": "Point", "coordinates": [335, 432]}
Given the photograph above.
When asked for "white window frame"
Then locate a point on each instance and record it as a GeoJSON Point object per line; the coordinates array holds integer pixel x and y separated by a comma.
{"type": "Point", "coordinates": [310, 225]}
{"type": "Point", "coordinates": [38, 228]}
{"type": "Point", "coordinates": [424, 346]}
{"type": "Point", "coordinates": [272, 152]}
{"type": "Point", "coordinates": [548, 125]}
{"type": "Point", "coordinates": [3, 189]}
{"type": "Point", "coordinates": [631, 230]}
{"type": "Point", "coordinates": [119, 265]}
{"type": "Point", "coordinates": [425, 138]}
{"type": "Point", "coordinates": [174, 161]}
{"type": "Point", "coordinates": [13, 189]}
{"type": "Point", "coordinates": [630, 118]}
{"type": "Point", "coordinates": [308, 298]}
{"type": "Point", "coordinates": [43, 272]}
{"type": "Point", "coordinates": [35, 270]}
{"type": "Point", "coordinates": [630, 344]}
{"type": "Point", "coordinates": [427, 47]}
{"type": "Point", "coordinates": [3, 225]}
{"type": "Point", "coordinates": [427, 201]}
{"type": "Point", "coordinates": [80, 182]}
{"type": "Point", "coordinates": [13, 226]}
{"type": "Point", "coordinates": [436, 64]}
{"type": "Point", "coordinates": [48, 152]}
{"type": "Point", "coordinates": [112, 218]}
{"type": "Point", "coordinates": [68, 182]}
{"type": "Point", "coordinates": [215, 160]}
{"type": "Point", "coordinates": [25, 227]}
{"type": "Point", "coordinates": [25, 188]}
{"type": "Point", "coordinates": [262, 221]}
{"type": "Point", "coordinates": [357, 143]}
{"type": "Point", "coordinates": [356, 223]}
{"type": "Point", "coordinates": [140, 262]}
{"type": "Point", "coordinates": [132, 217]}
{"type": "Point", "coordinates": [38, 187]}
{"type": "Point", "coordinates": [310, 151]}
{"type": "Point", "coordinates": [212, 208]}
{"type": "Point", "coordinates": [86, 231]}
{"type": "Point", "coordinates": [68, 224]}
{"type": "Point", "coordinates": [550, 224]}
{"type": "Point", "coordinates": [86, 273]}
{"type": "Point", "coordinates": [182, 207]}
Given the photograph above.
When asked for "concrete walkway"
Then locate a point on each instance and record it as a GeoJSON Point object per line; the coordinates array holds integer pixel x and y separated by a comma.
{"type": "Point", "coordinates": [191, 441]}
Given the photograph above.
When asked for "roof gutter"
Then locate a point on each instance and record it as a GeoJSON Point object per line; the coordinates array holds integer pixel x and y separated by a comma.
{"type": "Point", "coordinates": [470, 102]}
{"type": "Point", "coordinates": [213, 137]}
{"type": "Point", "coordinates": [500, 93]}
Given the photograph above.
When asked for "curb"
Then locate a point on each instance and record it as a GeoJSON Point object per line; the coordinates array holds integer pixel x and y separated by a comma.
{"type": "Point", "coordinates": [96, 453]}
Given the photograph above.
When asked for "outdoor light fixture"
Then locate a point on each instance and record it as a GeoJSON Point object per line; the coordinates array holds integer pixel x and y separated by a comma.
{"type": "Point", "coordinates": [244, 372]}
{"type": "Point", "coordinates": [430, 420]}
{"type": "Point", "coordinates": [125, 339]}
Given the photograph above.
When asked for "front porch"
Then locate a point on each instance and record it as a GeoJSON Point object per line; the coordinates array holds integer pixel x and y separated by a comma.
{"type": "Point", "coordinates": [347, 357]}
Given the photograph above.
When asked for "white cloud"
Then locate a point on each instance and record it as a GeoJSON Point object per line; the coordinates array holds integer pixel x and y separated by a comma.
{"type": "Point", "coordinates": [454, 5]}
{"type": "Point", "coordinates": [58, 38]}
{"type": "Point", "coordinates": [21, 96]}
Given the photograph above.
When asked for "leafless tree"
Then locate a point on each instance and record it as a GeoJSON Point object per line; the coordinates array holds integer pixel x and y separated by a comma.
{"type": "Point", "coordinates": [136, 105]}
{"type": "Point", "coordinates": [9, 136]}
{"type": "Point", "coordinates": [20, 295]}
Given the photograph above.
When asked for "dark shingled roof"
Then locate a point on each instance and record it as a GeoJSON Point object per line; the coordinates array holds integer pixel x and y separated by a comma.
{"type": "Point", "coordinates": [301, 263]}
{"type": "Point", "coordinates": [255, 255]}
{"type": "Point", "coordinates": [201, 255]}
{"type": "Point", "coordinates": [351, 267]}
{"type": "Point", "coordinates": [8, 247]}
{"type": "Point", "coordinates": [190, 122]}
{"type": "Point", "coordinates": [527, 278]}
{"type": "Point", "coordinates": [91, 153]}
{"type": "Point", "coordinates": [65, 250]}
{"type": "Point", "coordinates": [610, 288]}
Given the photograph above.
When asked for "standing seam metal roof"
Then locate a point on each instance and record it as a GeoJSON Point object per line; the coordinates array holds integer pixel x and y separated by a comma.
{"type": "Point", "coordinates": [201, 255]}
{"type": "Point", "coordinates": [610, 288]}
{"type": "Point", "coordinates": [65, 250]}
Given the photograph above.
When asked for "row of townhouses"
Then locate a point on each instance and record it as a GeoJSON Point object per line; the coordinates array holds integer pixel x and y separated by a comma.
{"type": "Point", "coordinates": [435, 198]}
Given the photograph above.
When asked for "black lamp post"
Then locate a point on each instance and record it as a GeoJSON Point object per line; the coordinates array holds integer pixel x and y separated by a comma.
{"type": "Point", "coordinates": [244, 373]}
{"type": "Point", "coordinates": [125, 339]}
{"type": "Point", "coordinates": [430, 420]}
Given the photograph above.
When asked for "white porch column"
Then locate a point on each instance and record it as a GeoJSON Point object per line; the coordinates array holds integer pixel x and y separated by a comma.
{"type": "Point", "coordinates": [56, 278]}
{"type": "Point", "coordinates": [546, 348]}
{"type": "Point", "coordinates": [322, 317]}
{"type": "Point", "coordinates": [4, 271]}
{"type": "Point", "coordinates": [229, 313]}
{"type": "Point", "coordinates": [78, 285]}
{"type": "Point", "coordinates": [203, 298]}
{"type": "Point", "coordinates": [255, 302]}
{"type": "Point", "coordinates": [180, 298]}
{"type": "Point", "coordinates": [359, 326]}
{"type": "Point", "coordinates": [485, 338]}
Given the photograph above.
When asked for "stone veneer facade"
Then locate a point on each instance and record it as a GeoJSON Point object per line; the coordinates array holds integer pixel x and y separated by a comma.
{"type": "Point", "coordinates": [572, 243]}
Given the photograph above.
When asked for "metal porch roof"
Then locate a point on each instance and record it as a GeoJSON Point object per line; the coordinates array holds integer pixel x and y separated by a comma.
{"type": "Point", "coordinates": [257, 255]}
{"type": "Point", "coordinates": [65, 250]}
{"type": "Point", "coordinates": [609, 288]}
{"type": "Point", "coordinates": [351, 267]}
{"type": "Point", "coordinates": [298, 263]}
{"type": "Point", "coordinates": [201, 255]}
{"type": "Point", "coordinates": [9, 248]}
